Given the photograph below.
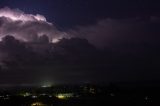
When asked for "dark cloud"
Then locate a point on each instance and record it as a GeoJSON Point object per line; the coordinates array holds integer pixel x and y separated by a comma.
{"type": "Point", "coordinates": [43, 60]}
{"type": "Point", "coordinates": [75, 60]}
{"type": "Point", "coordinates": [112, 32]}
{"type": "Point", "coordinates": [14, 52]}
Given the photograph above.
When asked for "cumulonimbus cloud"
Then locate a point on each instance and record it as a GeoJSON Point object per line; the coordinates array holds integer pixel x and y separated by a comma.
{"type": "Point", "coordinates": [27, 27]}
{"type": "Point", "coordinates": [104, 33]}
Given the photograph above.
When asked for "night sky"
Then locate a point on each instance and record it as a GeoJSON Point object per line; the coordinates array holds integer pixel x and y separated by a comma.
{"type": "Point", "coordinates": [68, 13]}
{"type": "Point", "coordinates": [79, 41]}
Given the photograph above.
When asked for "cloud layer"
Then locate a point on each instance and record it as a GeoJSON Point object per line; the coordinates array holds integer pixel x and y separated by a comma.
{"type": "Point", "coordinates": [130, 48]}
{"type": "Point", "coordinates": [112, 32]}
{"type": "Point", "coordinates": [105, 33]}
{"type": "Point", "coordinates": [26, 27]}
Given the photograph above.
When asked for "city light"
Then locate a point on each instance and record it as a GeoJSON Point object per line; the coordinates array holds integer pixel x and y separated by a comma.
{"type": "Point", "coordinates": [38, 104]}
{"type": "Point", "coordinates": [60, 96]}
{"type": "Point", "coordinates": [26, 94]}
{"type": "Point", "coordinates": [64, 96]}
{"type": "Point", "coordinates": [34, 96]}
{"type": "Point", "coordinates": [47, 84]}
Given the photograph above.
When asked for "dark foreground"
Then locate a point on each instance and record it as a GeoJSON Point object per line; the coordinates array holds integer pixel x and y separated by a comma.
{"type": "Point", "coordinates": [86, 95]}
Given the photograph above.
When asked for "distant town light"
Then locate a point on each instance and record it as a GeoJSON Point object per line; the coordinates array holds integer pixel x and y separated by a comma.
{"type": "Point", "coordinates": [50, 96]}
{"type": "Point", "coordinates": [38, 104]}
{"type": "Point", "coordinates": [26, 94]}
{"type": "Point", "coordinates": [64, 96]}
{"type": "Point", "coordinates": [60, 96]}
{"type": "Point", "coordinates": [47, 85]}
{"type": "Point", "coordinates": [34, 96]}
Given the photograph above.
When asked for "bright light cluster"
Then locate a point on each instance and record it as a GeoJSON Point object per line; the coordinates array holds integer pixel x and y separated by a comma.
{"type": "Point", "coordinates": [64, 95]}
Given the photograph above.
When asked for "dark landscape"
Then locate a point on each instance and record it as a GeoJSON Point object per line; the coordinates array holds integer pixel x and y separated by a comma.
{"type": "Point", "coordinates": [80, 95]}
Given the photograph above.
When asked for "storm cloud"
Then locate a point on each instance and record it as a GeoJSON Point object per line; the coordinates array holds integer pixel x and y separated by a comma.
{"type": "Point", "coordinates": [27, 27]}
{"type": "Point", "coordinates": [111, 32]}
{"type": "Point", "coordinates": [102, 34]}
{"type": "Point", "coordinates": [130, 48]}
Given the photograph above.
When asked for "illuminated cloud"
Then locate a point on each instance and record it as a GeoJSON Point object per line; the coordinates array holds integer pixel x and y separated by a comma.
{"type": "Point", "coordinates": [18, 15]}
{"type": "Point", "coordinates": [27, 27]}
